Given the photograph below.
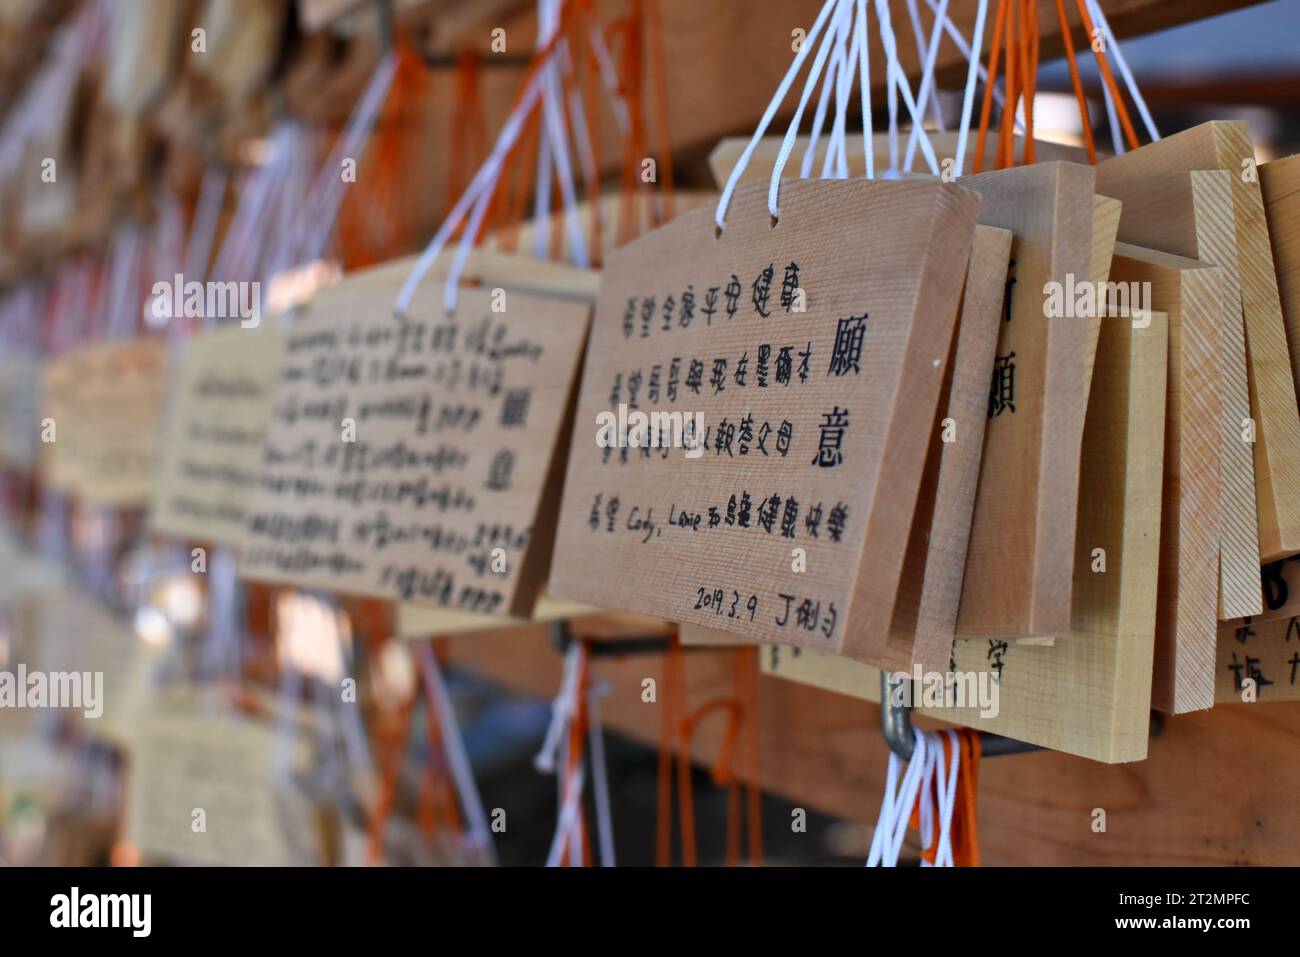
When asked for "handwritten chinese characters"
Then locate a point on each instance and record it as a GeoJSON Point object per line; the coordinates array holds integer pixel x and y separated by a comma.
{"type": "Point", "coordinates": [212, 447]}
{"type": "Point", "coordinates": [102, 407]}
{"type": "Point", "coordinates": [411, 456]}
{"type": "Point", "coordinates": [811, 355]}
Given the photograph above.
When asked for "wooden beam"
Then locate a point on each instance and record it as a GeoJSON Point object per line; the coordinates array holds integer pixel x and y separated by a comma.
{"type": "Point", "coordinates": [825, 751]}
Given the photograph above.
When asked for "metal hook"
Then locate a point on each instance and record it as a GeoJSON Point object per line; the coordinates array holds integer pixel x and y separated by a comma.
{"type": "Point", "coordinates": [896, 723]}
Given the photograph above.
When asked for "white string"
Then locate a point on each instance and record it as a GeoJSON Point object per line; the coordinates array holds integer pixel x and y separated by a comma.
{"type": "Point", "coordinates": [927, 79]}
{"type": "Point", "coordinates": [835, 149]}
{"type": "Point", "coordinates": [568, 819]}
{"type": "Point", "coordinates": [124, 286]}
{"type": "Point", "coordinates": [1112, 48]}
{"type": "Point", "coordinates": [833, 39]}
{"type": "Point", "coordinates": [926, 769]}
{"type": "Point", "coordinates": [609, 77]}
{"type": "Point", "coordinates": [778, 98]}
{"type": "Point", "coordinates": [553, 116]}
{"type": "Point", "coordinates": [899, 82]}
{"type": "Point", "coordinates": [461, 770]}
{"type": "Point", "coordinates": [968, 96]}
{"type": "Point", "coordinates": [864, 87]}
{"type": "Point", "coordinates": [599, 775]}
{"type": "Point", "coordinates": [207, 214]}
{"type": "Point", "coordinates": [480, 187]}
{"type": "Point", "coordinates": [960, 42]}
{"type": "Point", "coordinates": [316, 222]}
{"type": "Point", "coordinates": [283, 758]}
{"type": "Point", "coordinates": [1116, 137]}
{"type": "Point", "coordinates": [928, 71]}
{"type": "Point", "coordinates": [896, 805]}
{"type": "Point", "coordinates": [563, 708]}
{"type": "Point", "coordinates": [792, 131]}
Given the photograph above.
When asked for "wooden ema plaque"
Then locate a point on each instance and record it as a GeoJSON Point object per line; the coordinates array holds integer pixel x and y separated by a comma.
{"type": "Point", "coordinates": [1227, 146]}
{"type": "Point", "coordinates": [809, 354]}
{"type": "Point", "coordinates": [1019, 561]}
{"type": "Point", "coordinates": [416, 457]}
{"type": "Point", "coordinates": [222, 389]}
{"type": "Point", "coordinates": [106, 403]}
{"type": "Point", "coordinates": [1192, 295]}
{"type": "Point", "coordinates": [1088, 693]}
{"type": "Point", "coordinates": [925, 610]}
{"type": "Point", "coordinates": [1190, 214]}
{"type": "Point", "coordinates": [1265, 652]}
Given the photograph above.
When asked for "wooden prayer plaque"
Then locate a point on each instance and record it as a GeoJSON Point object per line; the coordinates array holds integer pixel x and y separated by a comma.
{"type": "Point", "coordinates": [224, 764]}
{"type": "Point", "coordinates": [1190, 214]}
{"type": "Point", "coordinates": [415, 457]}
{"type": "Point", "coordinates": [789, 521]}
{"type": "Point", "coordinates": [106, 402]}
{"type": "Point", "coordinates": [1088, 693]}
{"type": "Point", "coordinates": [1227, 146]}
{"type": "Point", "coordinates": [222, 391]}
{"type": "Point", "coordinates": [1191, 294]}
{"type": "Point", "coordinates": [925, 610]}
{"type": "Point", "coordinates": [1266, 652]}
{"type": "Point", "coordinates": [1019, 561]}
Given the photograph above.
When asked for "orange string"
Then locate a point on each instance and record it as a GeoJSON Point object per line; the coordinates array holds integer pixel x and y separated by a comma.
{"type": "Point", "coordinates": [1029, 30]}
{"type": "Point", "coordinates": [577, 735]}
{"type": "Point", "coordinates": [995, 39]}
{"type": "Point", "coordinates": [654, 42]}
{"type": "Point", "coordinates": [670, 681]}
{"type": "Point", "coordinates": [1006, 130]}
{"type": "Point", "coordinates": [676, 734]}
{"type": "Point", "coordinates": [1077, 82]}
{"type": "Point", "coordinates": [1104, 65]}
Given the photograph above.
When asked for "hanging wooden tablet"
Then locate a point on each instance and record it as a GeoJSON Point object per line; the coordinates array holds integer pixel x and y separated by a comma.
{"type": "Point", "coordinates": [789, 520]}
{"type": "Point", "coordinates": [1280, 182]}
{"type": "Point", "coordinates": [414, 457]}
{"type": "Point", "coordinates": [192, 766]}
{"type": "Point", "coordinates": [211, 451]}
{"type": "Point", "coordinates": [925, 610]}
{"type": "Point", "coordinates": [1258, 661]}
{"type": "Point", "coordinates": [1019, 560]}
{"type": "Point", "coordinates": [1190, 214]}
{"type": "Point", "coordinates": [1089, 693]}
{"type": "Point", "coordinates": [74, 634]}
{"type": "Point", "coordinates": [105, 405]}
{"type": "Point", "coordinates": [1191, 294]}
{"type": "Point", "coordinates": [1222, 145]}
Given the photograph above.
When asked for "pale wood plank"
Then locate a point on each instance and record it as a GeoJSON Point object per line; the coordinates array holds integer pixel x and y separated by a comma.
{"type": "Point", "coordinates": [1191, 294]}
{"type": "Point", "coordinates": [1089, 693]}
{"type": "Point", "coordinates": [1227, 146]}
{"type": "Point", "coordinates": [1191, 215]}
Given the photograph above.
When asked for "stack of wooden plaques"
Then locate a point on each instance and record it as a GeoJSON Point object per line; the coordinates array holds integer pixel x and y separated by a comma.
{"type": "Point", "coordinates": [1107, 470]}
